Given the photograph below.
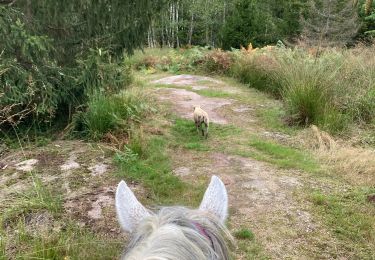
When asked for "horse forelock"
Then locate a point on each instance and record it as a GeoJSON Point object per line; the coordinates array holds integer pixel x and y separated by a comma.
{"type": "Point", "coordinates": [179, 233]}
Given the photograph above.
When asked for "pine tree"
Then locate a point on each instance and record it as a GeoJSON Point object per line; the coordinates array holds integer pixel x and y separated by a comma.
{"type": "Point", "coordinates": [78, 25]}
{"type": "Point", "coordinates": [330, 23]}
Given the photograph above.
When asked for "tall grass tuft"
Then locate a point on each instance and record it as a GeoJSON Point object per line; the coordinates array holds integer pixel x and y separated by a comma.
{"type": "Point", "coordinates": [256, 69]}
{"type": "Point", "coordinates": [109, 113]}
{"type": "Point", "coordinates": [332, 90]}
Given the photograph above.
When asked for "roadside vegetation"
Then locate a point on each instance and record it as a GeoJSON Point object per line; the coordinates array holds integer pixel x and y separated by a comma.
{"type": "Point", "coordinates": [333, 89]}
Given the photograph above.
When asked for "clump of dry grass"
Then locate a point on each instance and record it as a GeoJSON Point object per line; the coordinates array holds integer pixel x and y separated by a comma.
{"type": "Point", "coordinates": [217, 61]}
{"type": "Point", "coordinates": [355, 164]}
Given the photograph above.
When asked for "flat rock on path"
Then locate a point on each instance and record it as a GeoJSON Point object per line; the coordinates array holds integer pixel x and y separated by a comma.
{"type": "Point", "coordinates": [184, 102]}
{"type": "Point", "coordinates": [184, 80]}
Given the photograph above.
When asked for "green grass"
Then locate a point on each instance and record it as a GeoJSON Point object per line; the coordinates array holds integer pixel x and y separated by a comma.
{"type": "Point", "coordinates": [248, 245]}
{"type": "Point", "coordinates": [350, 218]}
{"type": "Point", "coordinates": [251, 250]}
{"type": "Point", "coordinates": [62, 239]}
{"type": "Point", "coordinates": [214, 93]}
{"type": "Point", "coordinates": [108, 113]}
{"type": "Point", "coordinates": [186, 135]}
{"type": "Point", "coordinates": [68, 242]}
{"type": "Point", "coordinates": [280, 155]}
{"type": "Point", "coordinates": [255, 71]}
{"type": "Point", "coordinates": [244, 233]}
{"type": "Point", "coordinates": [274, 118]}
{"type": "Point", "coordinates": [39, 197]}
{"type": "Point", "coordinates": [154, 170]}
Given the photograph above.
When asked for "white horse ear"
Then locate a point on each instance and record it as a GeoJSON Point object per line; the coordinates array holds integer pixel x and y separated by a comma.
{"type": "Point", "coordinates": [130, 212]}
{"type": "Point", "coordinates": [215, 199]}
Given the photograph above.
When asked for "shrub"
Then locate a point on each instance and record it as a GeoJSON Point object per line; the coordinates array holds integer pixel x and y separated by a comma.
{"type": "Point", "coordinates": [34, 89]}
{"type": "Point", "coordinates": [99, 73]}
{"type": "Point", "coordinates": [171, 60]}
{"type": "Point", "coordinates": [107, 113]}
{"type": "Point", "coordinates": [217, 61]}
{"type": "Point", "coordinates": [32, 84]}
{"type": "Point", "coordinates": [308, 88]}
{"type": "Point", "coordinates": [356, 86]}
{"type": "Point", "coordinates": [256, 69]}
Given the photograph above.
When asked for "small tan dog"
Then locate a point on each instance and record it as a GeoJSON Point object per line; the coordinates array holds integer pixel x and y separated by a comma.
{"type": "Point", "coordinates": [200, 118]}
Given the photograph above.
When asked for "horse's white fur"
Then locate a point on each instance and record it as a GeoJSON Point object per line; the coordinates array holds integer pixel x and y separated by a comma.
{"type": "Point", "coordinates": [129, 210]}
{"type": "Point", "coordinates": [201, 117]}
{"type": "Point", "coordinates": [215, 199]}
{"type": "Point", "coordinates": [172, 233]}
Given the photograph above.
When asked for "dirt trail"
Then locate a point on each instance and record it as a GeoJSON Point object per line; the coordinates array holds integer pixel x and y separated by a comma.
{"type": "Point", "coordinates": [261, 196]}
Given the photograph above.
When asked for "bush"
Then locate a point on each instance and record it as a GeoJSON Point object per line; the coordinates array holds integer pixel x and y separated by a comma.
{"type": "Point", "coordinates": [106, 113]}
{"type": "Point", "coordinates": [356, 84]}
{"type": "Point", "coordinates": [309, 88]}
{"type": "Point", "coordinates": [217, 61]}
{"type": "Point", "coordinates": [256, 69]}
{"type": "Point", "coordinates": [172, 60]}
{"type": "Point", "coordinates": [35, 90]}
{"type": "Point", "coordinates": [32, 84]}
{"type": "Point", "coordinates": [99, 73]}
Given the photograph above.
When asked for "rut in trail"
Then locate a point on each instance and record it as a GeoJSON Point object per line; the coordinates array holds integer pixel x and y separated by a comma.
{"type": "Point", "coordinates": [260, 195]}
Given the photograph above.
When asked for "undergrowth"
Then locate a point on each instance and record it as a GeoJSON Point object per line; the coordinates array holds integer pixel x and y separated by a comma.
{"type": "Point", "coordinates": [106, 113]}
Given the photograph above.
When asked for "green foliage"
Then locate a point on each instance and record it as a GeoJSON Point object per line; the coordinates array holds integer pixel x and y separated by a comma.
{"type": "Point", "coordinates": [332, 23]}
{"type": "Point", "coordinates": [34, 89]}
{"type": "Point", "coordinates": [32, 84]}
{"type": "Point", "coordinates": [332, 90]}
{"type": "Point", "coordinates": [217, 61]}
{"type": "Point", "coordinates": [107, 113]}
{"type": "Point", "coordinates": [260, 23]}
{"type": "Point", "coordinates": [367, 15]}
{"type": "Point", "coordinates": [116, 25]}
{"type": "Point", "coordinates": [171, 60]}
{"type": "Point", "coordinates": [99, 73]}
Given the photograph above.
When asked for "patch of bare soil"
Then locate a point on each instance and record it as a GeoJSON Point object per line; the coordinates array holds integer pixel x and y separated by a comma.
{"type": "Point", "coordinates": [184, 80]}
{"type": "Point", "coordinates": [184, 101]}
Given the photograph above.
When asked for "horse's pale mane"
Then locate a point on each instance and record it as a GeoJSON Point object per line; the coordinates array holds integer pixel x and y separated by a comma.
{"type": "Point", "coordinates": [173, 233]}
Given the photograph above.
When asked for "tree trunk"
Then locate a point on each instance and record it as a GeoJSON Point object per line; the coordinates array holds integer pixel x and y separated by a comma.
{"type": "Point", "coordinates": [191, 28]}
{"type": "Point", "coordinates": [176, 25]}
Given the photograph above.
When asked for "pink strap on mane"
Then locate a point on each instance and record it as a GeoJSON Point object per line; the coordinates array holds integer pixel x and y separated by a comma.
{"type": "Point", "coordinates": [203, 232]}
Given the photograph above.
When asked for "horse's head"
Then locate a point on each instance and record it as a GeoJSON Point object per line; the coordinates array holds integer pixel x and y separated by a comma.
{"type": "Point", "coordinates": [176, 232]}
